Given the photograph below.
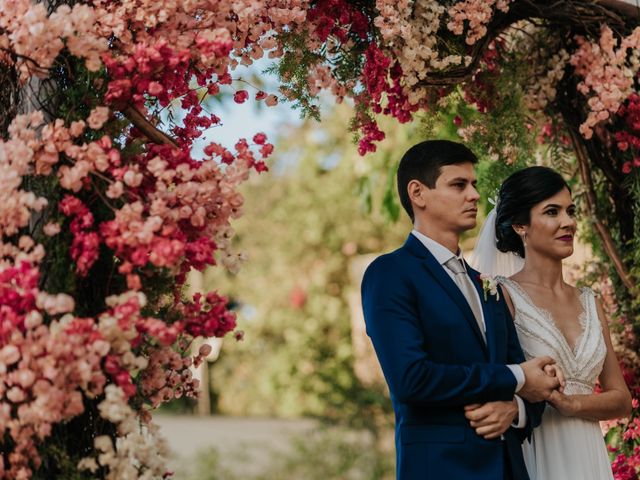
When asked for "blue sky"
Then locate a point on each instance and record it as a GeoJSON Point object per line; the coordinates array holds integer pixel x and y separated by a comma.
{"type": "Point", "coordinates": [251, 117]}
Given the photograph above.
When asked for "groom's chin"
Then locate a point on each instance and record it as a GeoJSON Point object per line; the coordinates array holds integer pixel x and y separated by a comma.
{"type": "Point", "coordinates": [470, 219]}
{"type": "Point", "coordinates": [467, 225]}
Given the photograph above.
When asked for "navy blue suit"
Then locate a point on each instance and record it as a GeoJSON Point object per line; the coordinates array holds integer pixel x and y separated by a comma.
{"type": "Point", "coordinates": [435, 362]}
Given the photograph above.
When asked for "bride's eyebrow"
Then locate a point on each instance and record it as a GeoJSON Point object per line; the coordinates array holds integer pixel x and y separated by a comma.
{"type": "Point", "coordinates": [553, 205]}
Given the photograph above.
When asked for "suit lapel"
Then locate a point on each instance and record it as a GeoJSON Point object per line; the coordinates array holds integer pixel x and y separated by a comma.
{"type": "Point", "coordinates": [487, 310]}
{"type": "Point", "coordinates": [438, 273]}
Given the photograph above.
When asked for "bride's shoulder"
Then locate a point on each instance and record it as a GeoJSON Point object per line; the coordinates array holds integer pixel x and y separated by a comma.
{"type": "Point", "coordinates": [584, 290]}
{"type": "Point", "coordinates": [502, 280]}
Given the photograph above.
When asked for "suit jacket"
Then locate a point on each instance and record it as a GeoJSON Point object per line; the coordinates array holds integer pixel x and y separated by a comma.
{"type": "Point", "coordinates": [435, 362]}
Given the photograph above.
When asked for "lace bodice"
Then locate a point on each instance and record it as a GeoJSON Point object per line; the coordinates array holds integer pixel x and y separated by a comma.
{"type": "Point", "coordinates": [539, 335]}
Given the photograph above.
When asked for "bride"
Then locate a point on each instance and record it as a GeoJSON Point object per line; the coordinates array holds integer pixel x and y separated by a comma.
{"type": "Point", "coordinates": [535, 220]}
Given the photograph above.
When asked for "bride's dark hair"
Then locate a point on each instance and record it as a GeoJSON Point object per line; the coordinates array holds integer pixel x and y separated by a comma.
{"type": "Point", "coordinates": [517, 196]}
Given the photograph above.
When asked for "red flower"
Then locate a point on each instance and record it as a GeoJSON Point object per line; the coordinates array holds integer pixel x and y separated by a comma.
{"type": "Point", "coordinates": [260, 138]}
{"type": "Point", "coordinates": [241, 96]}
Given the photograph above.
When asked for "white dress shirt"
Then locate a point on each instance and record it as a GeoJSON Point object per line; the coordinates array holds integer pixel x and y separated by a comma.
{"type": "Point", "coordinates": [442, 254]}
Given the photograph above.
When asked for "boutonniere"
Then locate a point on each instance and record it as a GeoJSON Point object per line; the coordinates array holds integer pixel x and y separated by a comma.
{"type": "Point", "coordinates": [489, 286]}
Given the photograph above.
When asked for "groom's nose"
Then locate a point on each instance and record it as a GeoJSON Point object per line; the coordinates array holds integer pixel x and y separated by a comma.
{"type": "Point", "coordinates": [472, 194]}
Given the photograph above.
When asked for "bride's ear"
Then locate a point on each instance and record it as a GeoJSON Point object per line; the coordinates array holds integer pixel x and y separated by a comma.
{"type": "Point", "coordinates": [415, 189]}
{"type": "Point", "coordinates": [519, 229]}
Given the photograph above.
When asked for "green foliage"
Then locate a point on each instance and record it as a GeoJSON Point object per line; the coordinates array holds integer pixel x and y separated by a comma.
{"type": "Point", "coordinates": [500, 137]}
{"type": "Point", "coordinates": [323, 454]}
{"type": "Point", "coordinates": [293, 70]}
{"type": "Point", "coordinates": [78, 90]}
{"type": "Point", "coordinates": [58, 459]}
{"type": "Point", "coordinates": [294, 292]}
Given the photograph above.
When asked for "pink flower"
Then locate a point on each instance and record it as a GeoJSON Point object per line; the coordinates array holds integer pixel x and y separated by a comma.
{"type": "Point", "coordinates": [51, 229]}
{"type": "Point", "coordinates": [271, 101]}
{"type": "Point", "coordinates": [155, 88]}
{"type": "Point", "coordinates": [98, 117]}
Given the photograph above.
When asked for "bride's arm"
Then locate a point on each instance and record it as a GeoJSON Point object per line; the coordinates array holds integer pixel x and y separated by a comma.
{"type": "Point", "coordinates": [615, 399]}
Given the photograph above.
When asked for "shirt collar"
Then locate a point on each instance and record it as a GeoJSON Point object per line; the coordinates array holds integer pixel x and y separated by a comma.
{"type": "Point", "coordinates": [441, 253]}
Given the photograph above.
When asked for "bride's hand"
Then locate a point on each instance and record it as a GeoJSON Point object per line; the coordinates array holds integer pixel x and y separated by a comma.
{"type": "Point", "coordinates": [565, 404]}
{"type": "Point", "coordinates": [553, 370]}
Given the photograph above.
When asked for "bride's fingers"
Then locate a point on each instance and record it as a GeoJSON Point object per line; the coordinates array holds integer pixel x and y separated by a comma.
{"type": "Point", "coordinates": [561, 379]}
{"type": "Point", "coordinates": [555, 397]}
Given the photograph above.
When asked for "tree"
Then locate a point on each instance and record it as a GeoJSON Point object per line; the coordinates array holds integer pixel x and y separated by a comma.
{"type": "Point", "coordinates": [309, 222]}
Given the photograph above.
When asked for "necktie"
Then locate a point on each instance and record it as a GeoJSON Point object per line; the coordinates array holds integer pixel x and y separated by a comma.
{"type": "Point", "coordinates": [468, 290]}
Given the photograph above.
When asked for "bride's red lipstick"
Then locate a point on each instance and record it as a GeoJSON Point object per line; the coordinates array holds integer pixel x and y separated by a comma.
{"type": "Point", "coordinates": [566, 238]}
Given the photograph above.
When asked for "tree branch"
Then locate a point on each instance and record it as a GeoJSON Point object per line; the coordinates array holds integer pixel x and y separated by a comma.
{"type": "Point", "coordinates": [582, 16]}
{"type": "Point", "coordinates": [146, 127]}
{"type": "Point", "coordinates": [607, 241]}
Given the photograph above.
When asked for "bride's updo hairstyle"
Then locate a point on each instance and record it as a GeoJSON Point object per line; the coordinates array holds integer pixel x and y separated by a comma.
{"type": "Point", "coordinates": [517, 196]}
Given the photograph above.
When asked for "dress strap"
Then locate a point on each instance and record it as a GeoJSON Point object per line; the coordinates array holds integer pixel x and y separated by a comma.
{"type": "Point", "coordinates": [518, 297]}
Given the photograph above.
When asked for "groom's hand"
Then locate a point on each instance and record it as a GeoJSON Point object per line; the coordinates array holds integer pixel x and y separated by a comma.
{"type": "Point", "coordinates": [538, 386]}
{"type": "Point", "coordinates": [491, 419]}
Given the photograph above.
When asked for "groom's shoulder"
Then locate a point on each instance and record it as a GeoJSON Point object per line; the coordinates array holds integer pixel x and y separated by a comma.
{"type": "Point", "coordinates": [390, 262]}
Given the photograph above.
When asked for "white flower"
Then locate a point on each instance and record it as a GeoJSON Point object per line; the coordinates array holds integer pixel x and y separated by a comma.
{"type": "Point", "coordinates": [489, 286]}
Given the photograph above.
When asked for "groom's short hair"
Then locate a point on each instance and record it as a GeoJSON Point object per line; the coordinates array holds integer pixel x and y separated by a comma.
{"type": "Point", "coordinates": [423, 162]}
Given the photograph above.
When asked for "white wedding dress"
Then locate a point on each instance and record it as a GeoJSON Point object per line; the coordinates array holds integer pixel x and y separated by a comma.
{"type": "Point", "coordinates": [563, 448]}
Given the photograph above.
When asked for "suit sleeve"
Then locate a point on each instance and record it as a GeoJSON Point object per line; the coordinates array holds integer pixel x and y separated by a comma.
{"type": "Point", "coordinates": [516, 355]}
{"type": "Point", "coordinates": [392, 321]}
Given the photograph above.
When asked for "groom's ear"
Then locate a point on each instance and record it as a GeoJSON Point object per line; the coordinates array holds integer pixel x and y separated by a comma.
{"type": "Point", "coordinates": [416, 191]}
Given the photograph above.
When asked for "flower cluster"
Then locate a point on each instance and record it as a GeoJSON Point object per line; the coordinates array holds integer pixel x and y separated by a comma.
{"type": "Point", "coordinates": [477, 13]}
{"type": "Point", "coordinates": [153, 210]}
{"type": "Point", "coordinates": [607, 70]}
{"type": "Point", "coordinates": [139, 452]}
{"type": "Point", "coordinates": [410, 33]}
{"type": "Point", "coordinates": [45, 369]}
{"type": "Point", "coordinates": [542, 89]}
{"type": "Point", "coordinates": [85, 245]}
{"type": "Point", "coordinates": [36, 37]}
{"type": "Point", "coordinates": [628, 139]}
{"type": "Point", "coordinates": [339, 19]}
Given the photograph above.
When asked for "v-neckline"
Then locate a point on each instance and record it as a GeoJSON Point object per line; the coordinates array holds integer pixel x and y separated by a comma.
{"type": "Point", "coordinates": [546, 314]}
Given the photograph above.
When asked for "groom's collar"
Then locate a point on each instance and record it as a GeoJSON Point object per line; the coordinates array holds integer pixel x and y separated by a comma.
{"type": "Point", "coordinates": [441, 253]}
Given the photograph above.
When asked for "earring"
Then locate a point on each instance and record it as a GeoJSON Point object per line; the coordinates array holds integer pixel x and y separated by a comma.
{"type": "Point", "coordinates": [524, 238]}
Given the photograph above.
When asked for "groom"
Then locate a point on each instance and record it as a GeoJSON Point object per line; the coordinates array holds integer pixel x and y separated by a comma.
{"type": "Point", "coordinates": [451, 358]}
